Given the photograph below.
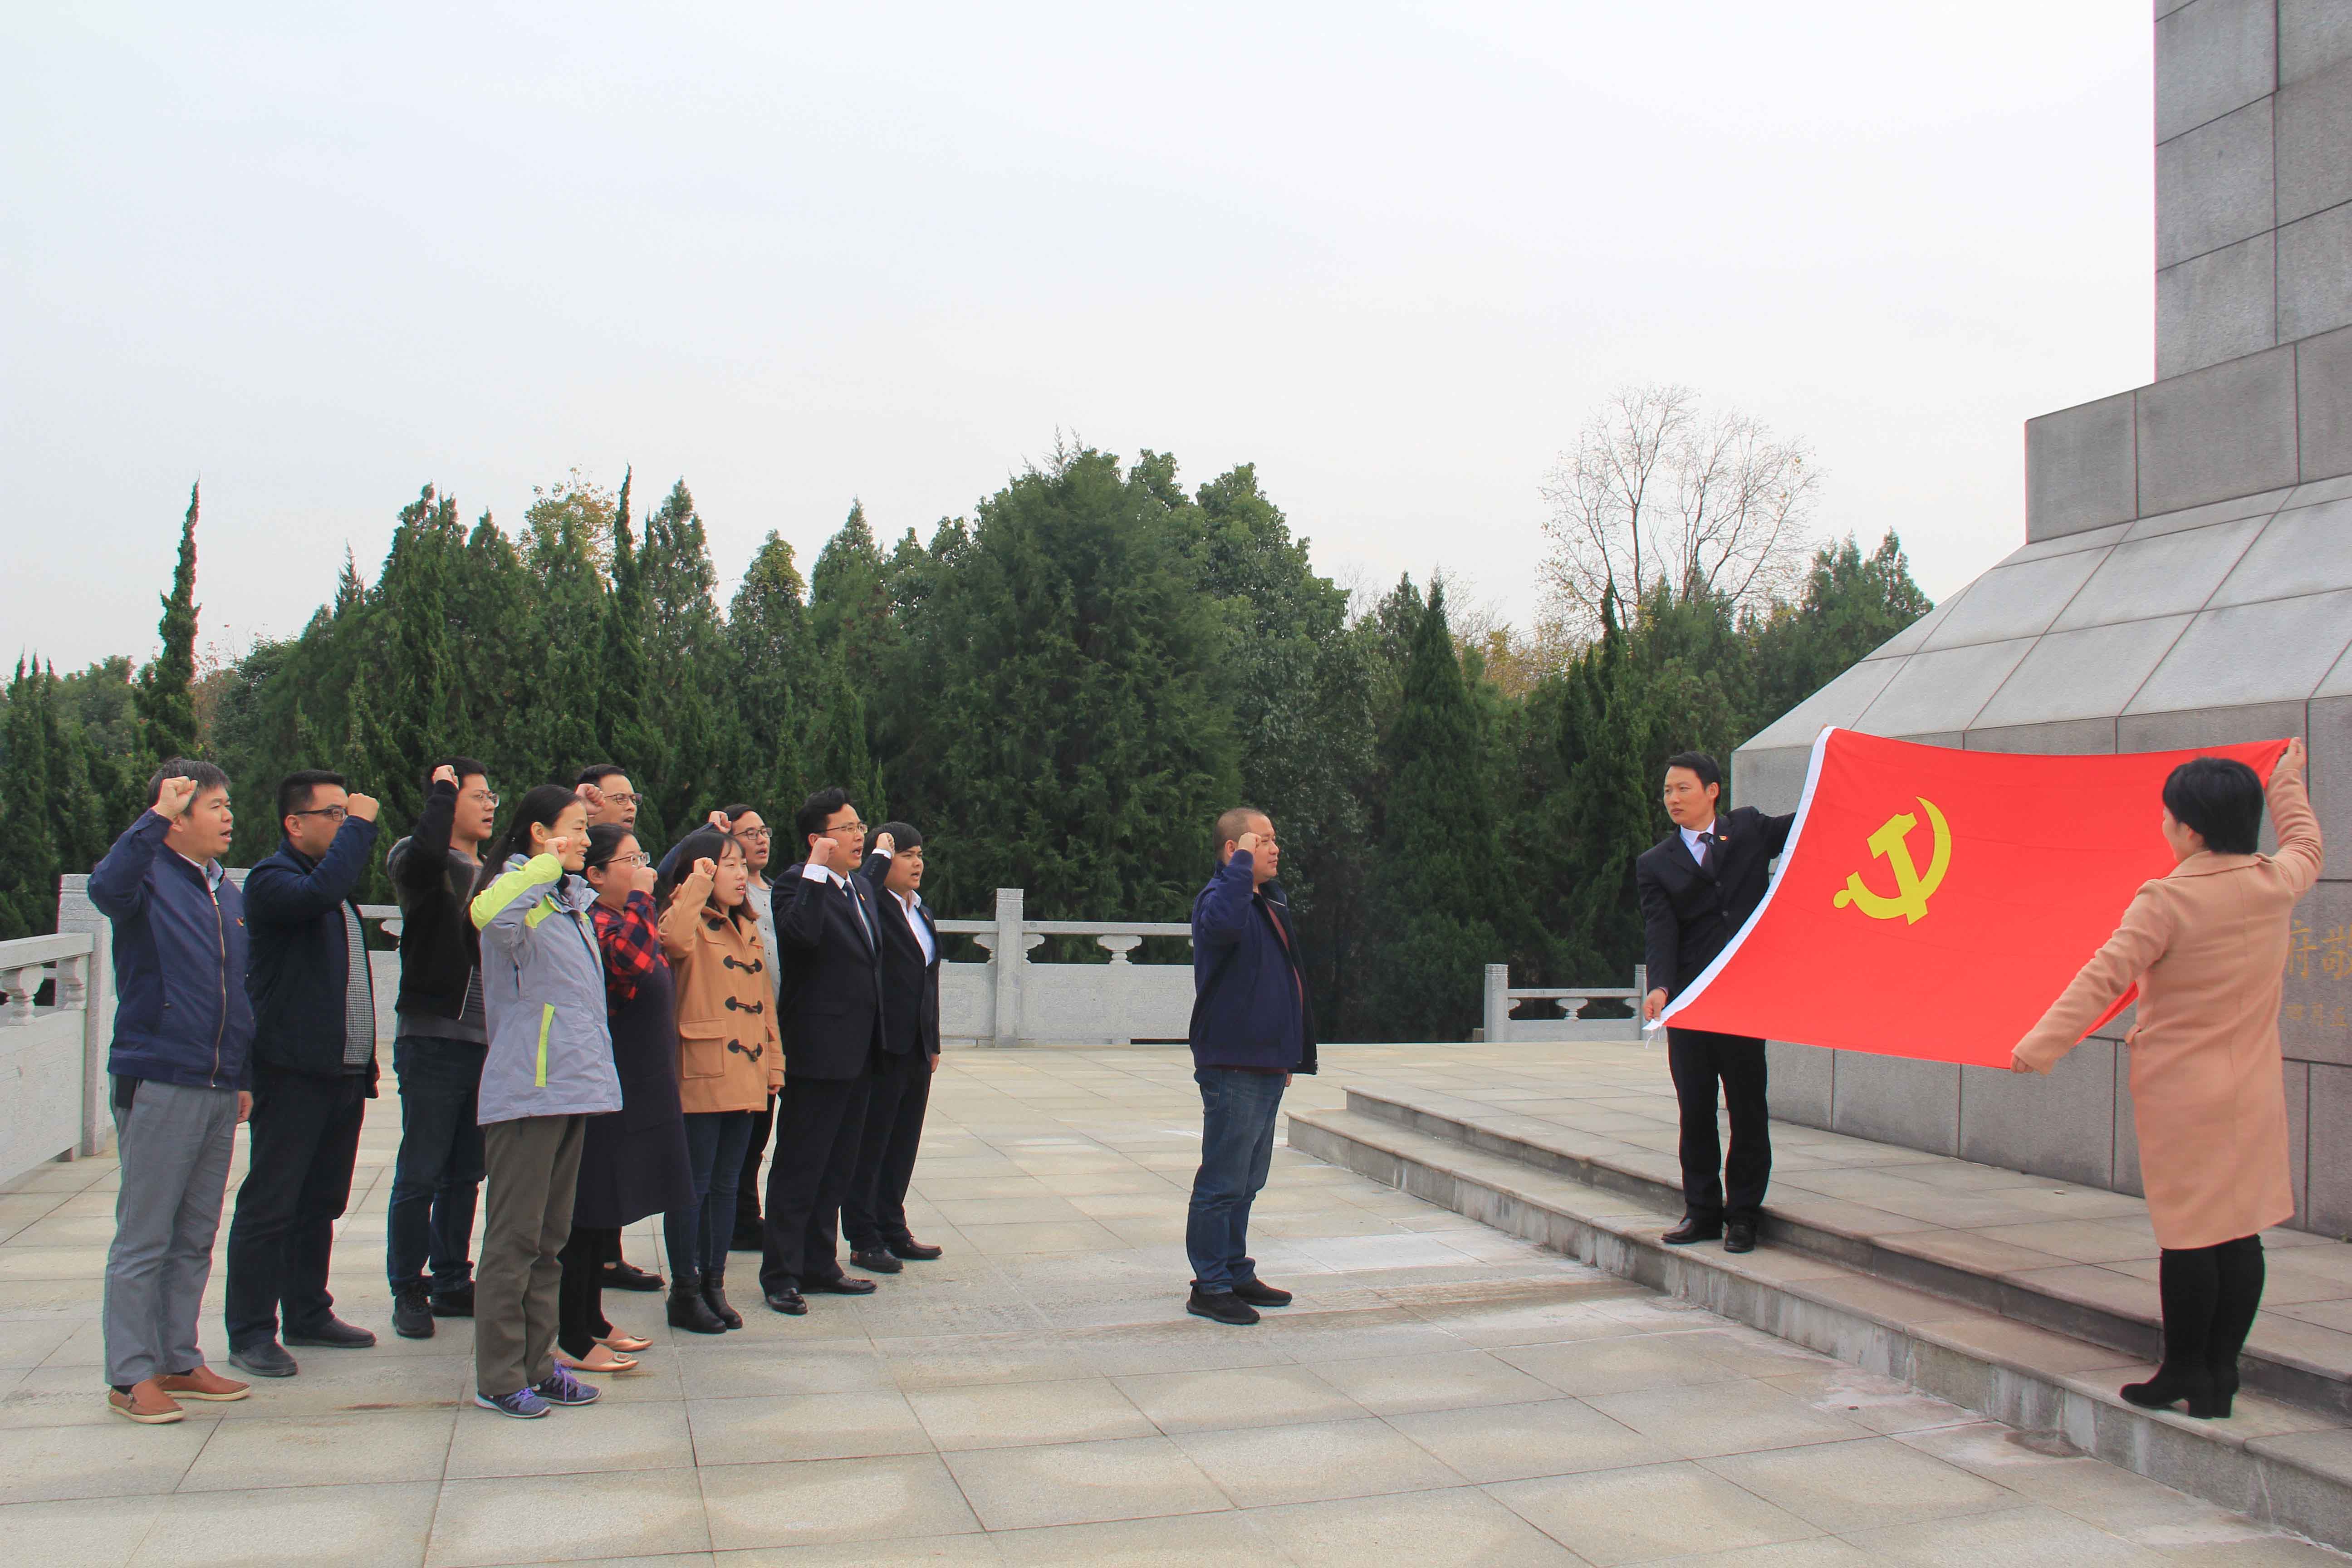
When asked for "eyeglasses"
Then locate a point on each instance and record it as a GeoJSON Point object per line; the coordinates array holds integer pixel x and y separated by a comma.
{"type": "Point", "coordinates": [758, 834]}
{"type": "Point", "coordinates": [331, 813]}
{"type": "Point", "coordinates": [483, 797]}
{"type": "Point", "coordinates": [639, 858]}
{"type": "Point", "coordinates": [839, 827]}
{"type": "Point", "coordinates": [621, 797]}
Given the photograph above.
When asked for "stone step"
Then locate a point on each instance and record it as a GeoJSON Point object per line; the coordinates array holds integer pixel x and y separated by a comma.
{"type": "Point", "coordinates": [2283, 1463]}
{"type": "Point", "coordinates": [2284, 1358]}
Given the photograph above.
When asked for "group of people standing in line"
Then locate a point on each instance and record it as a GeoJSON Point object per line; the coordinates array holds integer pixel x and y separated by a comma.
{"type": "Point", "coordinates": [597, 1037]}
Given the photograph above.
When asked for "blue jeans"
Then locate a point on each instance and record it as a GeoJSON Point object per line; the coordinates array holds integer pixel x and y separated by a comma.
{"type": "Point", "coordinates": [436, 1177]}
{"type": "Point", "coordinates": [1237, 1116]}
{"type": "Point", "coordinates": [697, 1238]}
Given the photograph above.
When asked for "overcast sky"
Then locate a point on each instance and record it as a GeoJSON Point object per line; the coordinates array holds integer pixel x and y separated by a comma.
{"type": "Point", "coordinates": [320, 256]}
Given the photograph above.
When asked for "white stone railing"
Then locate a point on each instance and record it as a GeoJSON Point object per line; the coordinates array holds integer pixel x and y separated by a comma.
{"type": "Point", "coordinates": [1502, 995]}
{"type": "Point", "coordinates": [52, 1056]}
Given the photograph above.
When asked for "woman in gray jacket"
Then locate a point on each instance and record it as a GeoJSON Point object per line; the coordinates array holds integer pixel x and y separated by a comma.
{"type": "Point", "coordinates": [548, 1068]}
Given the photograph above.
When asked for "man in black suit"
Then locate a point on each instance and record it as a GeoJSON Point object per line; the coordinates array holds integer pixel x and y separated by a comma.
{"type": "Point", "coordinates": [873, 1217]}
{"type": "Point", "coordinates": [1699, 885]}
{"type": "Point", "coordinates": [829, 953]}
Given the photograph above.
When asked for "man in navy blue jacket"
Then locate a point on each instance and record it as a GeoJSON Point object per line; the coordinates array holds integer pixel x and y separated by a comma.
{"type": "Point", "coordinates": [182, 1029]}
{"type": "Point", "coordinates": [1252, 1029]}
{"type": "Point", "coordinates": [314, 1072]}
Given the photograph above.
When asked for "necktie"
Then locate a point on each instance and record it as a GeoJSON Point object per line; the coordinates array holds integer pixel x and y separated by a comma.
{"type": "Point", "coordinates": [1706, 852]}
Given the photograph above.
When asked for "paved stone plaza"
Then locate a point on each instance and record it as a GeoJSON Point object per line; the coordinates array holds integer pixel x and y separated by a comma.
{"type": "Point", "coordinates": [1440, 1393]}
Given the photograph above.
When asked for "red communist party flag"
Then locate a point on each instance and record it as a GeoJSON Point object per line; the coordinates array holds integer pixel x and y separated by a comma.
{"type": "Point", "coordinates": [1934, 902]}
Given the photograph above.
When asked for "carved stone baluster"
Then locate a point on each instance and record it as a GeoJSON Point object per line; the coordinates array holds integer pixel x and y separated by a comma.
{"type": "Point", "coordinates": [1119, 946]}
{"type": "Point", "coordinates": [19, 993]}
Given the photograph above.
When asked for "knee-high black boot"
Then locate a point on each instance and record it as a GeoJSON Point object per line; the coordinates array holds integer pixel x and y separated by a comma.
{"type": "Point", "coordinates": [2187, 1282]}
{"type": "Point", "coordinates": [2235, 1302]}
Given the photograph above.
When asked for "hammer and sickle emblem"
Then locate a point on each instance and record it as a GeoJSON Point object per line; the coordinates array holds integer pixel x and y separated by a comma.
{"type": "Point", "coordinates": [1892, 842]}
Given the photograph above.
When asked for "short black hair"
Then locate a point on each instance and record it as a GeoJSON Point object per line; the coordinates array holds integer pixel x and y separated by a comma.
{"type": "Point", "coordinates": [1700, 763]}
{"type": "Point", "coordinates": [294, 791]}
{"type": "Point", "coordinates": [597, 773]}
{"type": "Point", "coordinates": [2221, 799]}
{"type": "Point", "coordinates": [605, 840]}
{"type": "Point", "coordinates": [903, 834]}
{"type": "Point", "coordinates": [810, 817]}
{"type": "Point", "coordinates": [206, 777]}
{"type": "Point", "coordinates": [731, 812]}
{"type": "Point", "coordinates": [465, 767]}
{"type": "Point", "coordinates": [1233, 823]}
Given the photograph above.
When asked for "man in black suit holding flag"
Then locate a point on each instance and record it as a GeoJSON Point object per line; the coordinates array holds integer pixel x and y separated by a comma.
{"type": "Point", "coordinates": [829, 958]}
{"type": "Point", "coordinates": [1699, 885]}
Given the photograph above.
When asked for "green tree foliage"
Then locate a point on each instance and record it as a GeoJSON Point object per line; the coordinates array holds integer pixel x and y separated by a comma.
{"type": "Point", "coordinates": [28, 849]}
{"type": "Point", "coordinates": [167, 713]}
{"type": "Point", "coordinates": [1062, 690]}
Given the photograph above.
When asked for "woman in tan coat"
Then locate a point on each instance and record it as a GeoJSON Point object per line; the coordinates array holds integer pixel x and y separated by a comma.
{"type": "Point", "coordinates": [729, 1059]}
{"type": "Point", "coordinates": [2208, 945]}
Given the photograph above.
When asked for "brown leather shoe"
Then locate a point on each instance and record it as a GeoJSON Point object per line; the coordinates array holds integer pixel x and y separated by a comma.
{"type": "Point", "coordinates": [203, 1384]}
{"type": "Point", "coordinates": [146, 1404]}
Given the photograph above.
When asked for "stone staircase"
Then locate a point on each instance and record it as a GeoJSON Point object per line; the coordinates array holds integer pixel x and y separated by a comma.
{"type": "Point", "coordinates": [1939, 1305]}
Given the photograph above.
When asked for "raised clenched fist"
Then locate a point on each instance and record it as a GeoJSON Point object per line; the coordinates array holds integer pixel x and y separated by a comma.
{"type": "Point", "coordinates": [362, 806]}
{"type": "Point", "coordinates": [885, 845]}
{"type": "Point", "coordinates": [643, 878]}
{"type": "Point", "coordinates": [706, 867]}
{"type": "Point", "coordinates": [172, 797]}
{"type": "Point", "coordinates": [593, 796]}
{"type": "Point", "coordinates": [445, 774]}
{"type": "Point", "coordinates": [1246, 845]}
{"type": "Point", "coordinates": [559, 845]}
{"type": "Point", "coordinates": [820, 853]}
{"type": "Point", "coordinates": [719, 820]}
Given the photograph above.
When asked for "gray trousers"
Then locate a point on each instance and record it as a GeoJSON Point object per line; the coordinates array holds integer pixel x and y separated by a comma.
{"type": "Point", "coordinates": [174, 1145]}
{"type": "Point", "coordinates": [533, 1166]}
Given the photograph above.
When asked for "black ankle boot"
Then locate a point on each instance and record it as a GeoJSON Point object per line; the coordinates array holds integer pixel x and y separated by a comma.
{"type": "Point", "coordinates": [714, 1296]}
{"type": "Point", "coordinates": [687, 1310]}
{"type": "Point", "coordinates": [2225, 1388]}
{"type": "Point", "coordinates": [2170, 1386]}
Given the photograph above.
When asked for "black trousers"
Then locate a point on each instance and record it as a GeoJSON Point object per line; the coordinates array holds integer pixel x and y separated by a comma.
{"type": "Point", "coordinates": [2211, 1295]}
{"type": "Point", "coordinates": [1716, 1189]}
{"type": "Point", "coordinates": [580, 1296]}
{"type": "Point", "coordinates": [746, 1191]}
{"type": "Point", "coordinates": [875, 1213]}
{"type": "Point", "coordinates": [297, 1180]}
{"type": "Point", "coordinates": [819, 1123]}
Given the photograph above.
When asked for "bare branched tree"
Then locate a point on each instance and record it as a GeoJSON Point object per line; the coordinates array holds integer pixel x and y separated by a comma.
{"type": "Point", "coordinates": [1659, 489]}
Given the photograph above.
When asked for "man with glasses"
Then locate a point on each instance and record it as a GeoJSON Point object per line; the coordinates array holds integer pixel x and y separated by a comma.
{"type": "Point", "coordinates": [314, 1071]}
{"type": "Point", "coordinates": [873, 1217]}
{"type": "Point", "coordinates": [439, 1038]}
{"type": "Point", "coordinates": [829, 950]}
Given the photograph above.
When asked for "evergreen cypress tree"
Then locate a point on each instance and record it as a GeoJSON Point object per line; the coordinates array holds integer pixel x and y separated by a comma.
{"type": "Point", "coordinates": [493, 620]}
{"type": "Point", "coordinates": [1433, 906]}
{"type": "Point", "coordinates": [418, 712]}
{"type": "Point", "coordinates": [167, 712]}
{"type": "Point", "coordinates": [78, 824]}
{"type": "Point", "coordinates": [558, 682]}
{"type": "Point", "coordinates": [686, 671]}
{"type": "Point", "coordinates": [29, 855]}
{"type": "Point", "coordinates": [1609, 809]}
{"type": "Point", "coordinates": [843, 757]}
{"type": "Point", "coordinates": [776, 681]}
{"type": "Point", "coordinates": [620, 729]}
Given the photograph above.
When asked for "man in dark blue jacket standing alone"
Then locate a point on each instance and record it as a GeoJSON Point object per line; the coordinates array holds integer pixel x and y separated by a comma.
{"type": "Point", "coordinates": [1252, 1029]}
{"type": "Point", "coordinates": [182, 1029]}
{"type": "Point", "coordinates": [314, 1072]}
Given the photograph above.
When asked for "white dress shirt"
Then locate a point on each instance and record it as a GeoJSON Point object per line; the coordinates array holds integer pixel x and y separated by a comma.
{"type": "Point", "coordinates": [906, 906]}
{"type": "Point", "coordinates": [1690, 840]}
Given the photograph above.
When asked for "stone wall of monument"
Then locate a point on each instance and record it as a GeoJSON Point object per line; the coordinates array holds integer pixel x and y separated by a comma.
{"type": "Point", "coordinates": [2185, 579]}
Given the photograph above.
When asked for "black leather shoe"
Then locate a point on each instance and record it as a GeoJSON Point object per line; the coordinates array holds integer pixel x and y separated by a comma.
{"type": "Point", "coordinates": [875, 1260]}
{"type": "Point", "coordinates": [1739, 1236]}
{"type": "Point", "coordinates": [1258, 1293]}
{"type": "Point", "coordinates": [267, 1359]}
{"type": "Point", "coordinates": [412, 1315]}
{"type": "Point", "coordinates": [839, 1285]}
{"type": "Point", "coordinates": [627, 1276]}
{"type": "Point", "coordinates": [457, 1303]}
{"type": "Point", "coordinates": [1221, 1306]}
{"type": "Point", "coordinates": [787, 1301]}
{"type": "Point", "coordinates": [1693, 1229]}
{"type": "Point", "coordinates": [915, 1251]}
{"type": "Point", "coordinates": [331, 1333]}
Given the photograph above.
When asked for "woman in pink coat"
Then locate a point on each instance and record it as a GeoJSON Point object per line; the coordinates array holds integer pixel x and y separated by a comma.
{"type": "Point", "coordinates": [2208, 945]}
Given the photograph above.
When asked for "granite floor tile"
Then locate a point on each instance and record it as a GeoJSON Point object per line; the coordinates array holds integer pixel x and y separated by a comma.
{"type": "Point", "coordinates": [832, 1501]}
{"type": "Point", "coordinates": [1261, 1466]}
{"type": "Point", "coordinates": [1082, 1483]}
{"type": "Point", "coordinates": [1458, 1528]}
{"type": "Point", "coordinates": [2016, 1538]}
{"type": "Point", "coordinates": [803, 1426]}
{"type": "Point", "coordinates": [1396, 1386]}
{"type": "Point", "coordinates": [1724, 1419]}
{"type": "Point", "coordinates": [1618, 1365]}
{"type": "Point", "coordinates": [1241, 1396]}
{"type": "Point", "coordinates": [1656, 1510]}
{"type": "Point", "coordinates": [1840, 1487]}
{"type": "Point", "coordinates": [1516, 1442]}
{"type": "Point", "coordinates": [1011, 1414]}
{"type": "Point", "coordinates": [381, 1526]}
{"type": "Point", "coordinates": [325, 1450]}
{"type": "Point", "coordinates": [93, 1532]}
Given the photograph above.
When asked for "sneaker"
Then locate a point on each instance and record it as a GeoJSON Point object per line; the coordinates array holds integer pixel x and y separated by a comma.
{"type": "Point", "coordinates": [456, 1303]}
{"type": "Point", "coordinates": [412, 1315]}
{"type": "Point", "coordinates": [560, 1387]}
{"type": "Point", "coordinates": [523, 1403]}
{"type": "Point", "coordinates": [1221, 1306]}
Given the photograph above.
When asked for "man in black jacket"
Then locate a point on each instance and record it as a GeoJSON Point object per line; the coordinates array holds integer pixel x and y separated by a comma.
{"type": "Point", "coordinates": [439, 1038]}
{"type": "Point", "coordinates": [314, 1072]}
{"type": "Point", "coordinates": [873, 1217]}
{"type": "Point", "coordinates": [829, 950]}
{"type": "Point", "coordinates": [1698, 886]}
